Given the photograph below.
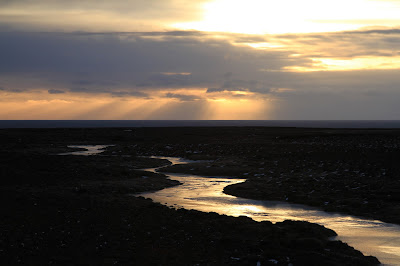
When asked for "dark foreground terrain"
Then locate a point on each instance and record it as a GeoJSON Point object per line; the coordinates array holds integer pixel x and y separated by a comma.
{"type": "Point", "coordinates": [79, 210]}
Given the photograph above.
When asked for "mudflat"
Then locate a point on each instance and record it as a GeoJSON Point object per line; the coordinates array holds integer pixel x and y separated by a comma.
{"type": "Point", "coordinates": [80, 209]}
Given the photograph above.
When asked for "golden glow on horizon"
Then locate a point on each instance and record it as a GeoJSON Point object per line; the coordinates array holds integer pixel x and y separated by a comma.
{"type": "Point", "coordinates": [231, 109]}
{"type": "Point", "coordinates": [41, 105]}
{"type": "Point", "coordinates": [360, 63]}
{"type": "Point", "coordinates": [292, 16]}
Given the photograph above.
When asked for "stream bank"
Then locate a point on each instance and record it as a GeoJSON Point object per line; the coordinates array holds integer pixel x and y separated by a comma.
{"type": "Point", "coordinates": [75, 210]}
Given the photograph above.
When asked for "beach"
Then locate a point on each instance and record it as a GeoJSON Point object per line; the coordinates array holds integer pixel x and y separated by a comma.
{"type": "Point", "coordinates": [67, 209]}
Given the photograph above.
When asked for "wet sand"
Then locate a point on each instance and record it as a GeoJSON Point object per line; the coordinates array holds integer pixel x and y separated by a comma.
{"type": "Point", "coordinates": [76, 210]}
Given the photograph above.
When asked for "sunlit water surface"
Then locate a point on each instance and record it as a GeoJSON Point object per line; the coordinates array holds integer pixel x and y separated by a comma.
{"type": "Point", "coordinates": [371, 237]}
{"type": "Point", "coordinates": [90, 150]}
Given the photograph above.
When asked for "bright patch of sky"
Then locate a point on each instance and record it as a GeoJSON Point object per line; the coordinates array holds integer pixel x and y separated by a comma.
{"type": "Point", "coordinates": [204, 59]}
{"type": "Point", "coordinates": [291, 16]}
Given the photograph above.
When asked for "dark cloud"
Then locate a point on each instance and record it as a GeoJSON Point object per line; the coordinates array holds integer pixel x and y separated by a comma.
{"type": "Point", "coordinates": [239, 95]}
{"type": "Point", "coordinates": [239, 84]}
{"type": "Point", "coordinates": [143, 84]}
{"type": "Point", "coordinates": [170, 80]}
{"type": "Point", "coordinates": [182, 97]}
{"type": "Point", "coordinates": [141, 34]}
{"type": "Point", "coordinates": [378, 31]}
{"type": "Point", "coordinates": [345, 45]}
{"type": "Point", "coordinates": [55, 91]}
{"type": "Point", "coordinates": [175, 33]}
{"type": "Point", "coordinates": [136, 65]}
{"type": "Point", "coordinates": [335, 105]}
{"type": "Point", "coordinates": [83, 82]}
{"type": "Point", "coordinates": [236, 85]}
{"type": "Point", "coordinates": [112, 62]}
{"type": "Point", "coordinates": [211, 90]}
{"type": "Point", "coordinates": [112, 92]}
{"type": "Point", "coordinates": [243, 38]}
{"type": "Point", "coordinates": [340, 83]}
{"type": "Point", "coordinates": [11, 90]}
{"type": "Point", "coordinates": [129, 93]}
{"type": "Point", "coordinates": [79, 90]}
{"type": "Point", "coordinates": [228, 75]}
{"type": "Point", "coordinates": [372, 93]}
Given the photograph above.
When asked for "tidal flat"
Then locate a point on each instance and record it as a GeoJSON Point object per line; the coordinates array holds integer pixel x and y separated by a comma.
{"type": "Point", "coordinates": [79, 209]}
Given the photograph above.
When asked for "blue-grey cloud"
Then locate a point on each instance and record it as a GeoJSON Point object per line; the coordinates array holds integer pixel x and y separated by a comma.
{"type": "Point", "coordinates": [83, 82]}
{"type": "Point", "coordinates": [55, 91]}
{"type": "Point", "coordinates": [135, 65]}
{"type": "Point", "coordinates": [170, 80]}
{"type": "Point", "coordinates": [349, 105]}
{"type": "Point", "coordinates": [79, 89]}
{"type": "Point", "coordinates": [11, 90]}
{"type": "Point", "coordinates": [231, 84]}
{"type": "Point", "coordinates": [111, 62]}
{"type": "Point", "coordinates": [115, 92]}
{"type": "Point", "coordinates": [182, 97]}
{"type": "Point", "coordinates": [129, 93]}
{"type": "Point", "coordinates": [346, 44]}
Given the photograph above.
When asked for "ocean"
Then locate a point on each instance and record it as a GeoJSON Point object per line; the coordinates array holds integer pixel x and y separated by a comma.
{"type": "Point", "coordinates": [199, 123]}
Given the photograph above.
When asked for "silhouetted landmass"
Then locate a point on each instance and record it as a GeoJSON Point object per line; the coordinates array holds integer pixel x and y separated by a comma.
{"type": "Point", "coordinates": [79, 210]}
{"type": "Point", "coordinates": [349, 171]}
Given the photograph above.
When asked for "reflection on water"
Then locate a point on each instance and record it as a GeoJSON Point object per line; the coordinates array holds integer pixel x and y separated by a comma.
{"type": "Point", "coordinates": [205, 194]}
{"type": "Point", "coordinates": [90, 150]}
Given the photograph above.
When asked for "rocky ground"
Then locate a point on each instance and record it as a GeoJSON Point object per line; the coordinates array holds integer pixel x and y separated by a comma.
{"type": "Point", "coordinates": [354, 172]}
{"type": "Point", "coordinates": [79, 210]}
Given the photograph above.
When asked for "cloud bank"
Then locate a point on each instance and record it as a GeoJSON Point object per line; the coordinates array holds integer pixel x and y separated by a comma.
{"type": "Point", "coordinates": [199, 75]}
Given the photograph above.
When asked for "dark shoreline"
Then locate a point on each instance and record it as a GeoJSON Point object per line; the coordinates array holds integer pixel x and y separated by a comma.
{"type": "Point", "coordinates": [325, 124]}
{"type": "Point", "coordinates": [348, 171]}
{"type": "Point", "coordinates": [68, 210]}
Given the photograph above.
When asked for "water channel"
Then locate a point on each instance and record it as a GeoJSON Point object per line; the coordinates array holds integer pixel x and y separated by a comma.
{"type": "Point", "coordinates": [372, 237]}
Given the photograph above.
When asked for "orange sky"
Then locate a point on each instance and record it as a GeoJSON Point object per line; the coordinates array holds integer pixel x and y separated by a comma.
{"type": "Point", "coordinates": [209, 59]}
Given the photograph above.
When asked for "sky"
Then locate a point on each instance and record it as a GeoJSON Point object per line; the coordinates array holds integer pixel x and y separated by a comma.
{"type": "Point", "coordinates": [200, 59]}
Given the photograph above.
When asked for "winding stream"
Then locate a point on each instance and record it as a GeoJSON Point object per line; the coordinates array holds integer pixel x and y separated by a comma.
{"type": "Point", "coordinates": [90, 149]}
{"type": "Point", "coordinates": [371, 237]}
